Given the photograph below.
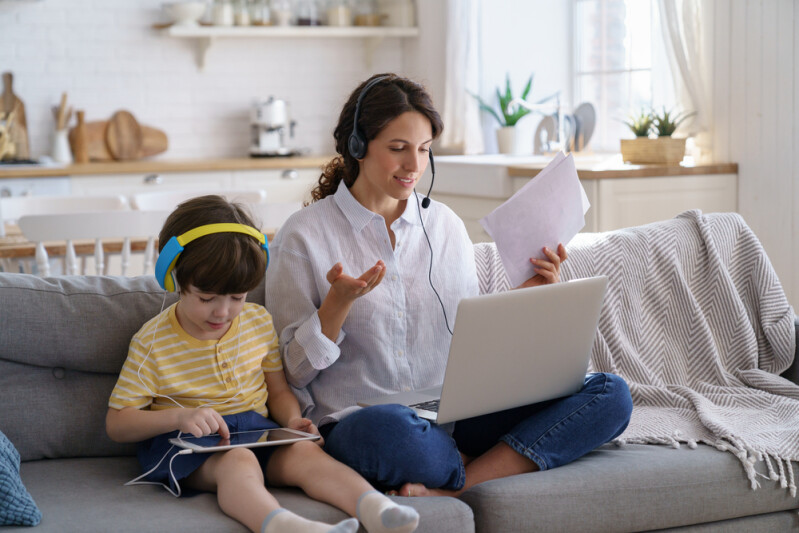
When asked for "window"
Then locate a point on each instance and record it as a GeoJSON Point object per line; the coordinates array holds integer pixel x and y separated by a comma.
{"type": "Point", "coordinates": [620, 64]}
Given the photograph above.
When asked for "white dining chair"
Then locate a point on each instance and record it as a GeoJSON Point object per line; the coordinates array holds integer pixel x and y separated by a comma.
{"type": "Point", "coordinates": [168, 200]}
{"type": "Point", "coordinates": [14, 207]}
{"type": "Point", "coordinates": [272, 215]}
{"type": "Point", "coordinates": [127, 226]}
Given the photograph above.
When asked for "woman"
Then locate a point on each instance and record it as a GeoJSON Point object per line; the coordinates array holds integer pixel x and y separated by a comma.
{"type": "Point", "coordinates": [365, 284]}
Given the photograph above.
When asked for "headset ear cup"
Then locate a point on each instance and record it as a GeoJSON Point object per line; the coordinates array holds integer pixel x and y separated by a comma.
{"type": "Point", "coordinates": [356, 146]}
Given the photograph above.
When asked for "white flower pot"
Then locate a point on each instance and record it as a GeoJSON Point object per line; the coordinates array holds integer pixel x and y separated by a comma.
{"type": "Point", "coordinates": [508, 141]}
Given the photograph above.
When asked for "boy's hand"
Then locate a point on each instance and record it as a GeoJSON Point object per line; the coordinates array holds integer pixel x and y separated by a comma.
{"type": "Point", "coordinates": [303, 424]}
{"type": "Point", "coordinates": [202, 421]}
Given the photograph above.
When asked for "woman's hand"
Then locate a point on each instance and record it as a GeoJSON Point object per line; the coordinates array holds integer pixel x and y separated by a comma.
{"type": "Point", "coordinates": [547, 270]}
{"type": "Point", "coordinates": [202, 421]}
{"type": "Point", "coordinates": [303, 424]}
{"type": "Point", "coordinates": [344, 290]}
{"type": "Point", "coordinates": [348, 288]}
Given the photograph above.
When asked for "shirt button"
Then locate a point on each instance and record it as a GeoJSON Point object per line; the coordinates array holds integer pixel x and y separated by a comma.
{"type": "Point", "coordinates": [224, 365]}
{"type": "Point", "coordinates": [406, 389]}
{"type": "Point", "coordinates": [228, 380]}
{"type": "Point", "coordinates": [399, 353]}
{"type": "Point", "coordinates": [399, 314]}
{"type": "Point", "coordinates": [394, 277]}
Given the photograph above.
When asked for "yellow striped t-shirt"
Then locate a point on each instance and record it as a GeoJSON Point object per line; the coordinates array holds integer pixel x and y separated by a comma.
{"type": "Point", "coordinates": [226, 374]}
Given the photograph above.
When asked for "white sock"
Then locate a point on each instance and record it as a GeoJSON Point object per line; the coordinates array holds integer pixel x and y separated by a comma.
{"type": "Point", "coordinates": [284, 521]}
{"type": "Point", "coordinates": [379, 514]}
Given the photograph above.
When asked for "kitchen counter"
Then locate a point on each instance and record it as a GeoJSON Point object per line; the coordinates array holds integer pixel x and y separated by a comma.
{"type": "Point", "coordinates": [159, 165]}
{"type": "Point", "coordinates": [595, 167]}
{"type": "Point", "coordinates": [621, 195]}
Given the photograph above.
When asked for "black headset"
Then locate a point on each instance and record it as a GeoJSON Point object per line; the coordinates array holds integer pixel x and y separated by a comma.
{"type": "Point", "coordinates": [357, 143]}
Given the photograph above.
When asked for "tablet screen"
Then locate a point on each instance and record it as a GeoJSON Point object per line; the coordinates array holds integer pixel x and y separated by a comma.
{"type": "Point", "coordinates": [261, 437]}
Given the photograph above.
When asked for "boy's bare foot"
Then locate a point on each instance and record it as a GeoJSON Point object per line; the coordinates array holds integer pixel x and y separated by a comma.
{"type": "Point", "coordinates": [413, 490]}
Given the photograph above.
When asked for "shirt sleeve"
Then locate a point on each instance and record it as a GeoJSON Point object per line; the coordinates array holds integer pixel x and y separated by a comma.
{"type": "Point", "coordinates": [293, 299]}
{"type": "Point", "coordinates": [272, 362]}
{"type": "Point", "coordinates": [138, 380]}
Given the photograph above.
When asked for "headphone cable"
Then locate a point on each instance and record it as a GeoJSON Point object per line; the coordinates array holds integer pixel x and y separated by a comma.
{"type": "Point", "coordinates": [430, 269]}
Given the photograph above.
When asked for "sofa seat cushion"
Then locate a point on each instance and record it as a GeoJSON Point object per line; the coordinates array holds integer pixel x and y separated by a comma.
{"type": "Point", "coordinates": [88, 494]}
{"type": "Point", "coordinates": [629, 488]}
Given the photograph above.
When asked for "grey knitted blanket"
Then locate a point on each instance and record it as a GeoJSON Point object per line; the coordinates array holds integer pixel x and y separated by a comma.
{"type": "Point", "coordinates": [697, 322]}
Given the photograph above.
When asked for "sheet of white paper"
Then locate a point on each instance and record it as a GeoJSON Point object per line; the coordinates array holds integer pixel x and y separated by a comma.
{"type": "Point", "coordinates": [548, 210]}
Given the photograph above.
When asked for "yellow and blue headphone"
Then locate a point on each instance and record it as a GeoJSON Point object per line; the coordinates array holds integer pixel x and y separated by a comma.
{"type": "Point", "coordinates": [175, 245]}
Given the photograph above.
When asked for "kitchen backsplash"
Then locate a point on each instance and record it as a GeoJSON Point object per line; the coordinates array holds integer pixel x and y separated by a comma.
{"type": "Point", "coordinates": [106, 56]}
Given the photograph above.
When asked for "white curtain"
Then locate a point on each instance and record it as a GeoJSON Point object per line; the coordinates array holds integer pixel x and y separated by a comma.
{"type": "Point", "coordinates": [461, 115]}
{"type": "Point", "coordinates": [687, 33]}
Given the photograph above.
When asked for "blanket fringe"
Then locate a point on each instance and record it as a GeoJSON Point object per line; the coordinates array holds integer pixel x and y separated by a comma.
{"type": "Point", "coordinates": [747, 455]}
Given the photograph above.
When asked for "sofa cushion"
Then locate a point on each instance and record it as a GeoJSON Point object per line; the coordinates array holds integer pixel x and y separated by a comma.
{"type": "Point", "coordinates": [64, 341]}
{"type": "Point", "coordinates": [89, 495]}
{"type": "Point", "coordinates": [628, 488]}
{"type": "Point", "coordinates": [16, 505]}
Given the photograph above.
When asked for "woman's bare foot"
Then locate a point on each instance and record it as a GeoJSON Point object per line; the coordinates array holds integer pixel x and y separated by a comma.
{"type": "Point", "coordinates": [413, 490]}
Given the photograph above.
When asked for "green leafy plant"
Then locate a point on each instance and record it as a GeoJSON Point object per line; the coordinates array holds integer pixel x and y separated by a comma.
{"type": "Point", "coordinates": [640, 124]}
{"type": "Point", "coordinates": [504, 117]}
{"type": "Point", "coordinates": [666, 122]}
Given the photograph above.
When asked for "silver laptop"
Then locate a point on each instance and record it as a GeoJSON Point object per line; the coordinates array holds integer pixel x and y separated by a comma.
{"type": "Point", "coordinates": [511, 349]}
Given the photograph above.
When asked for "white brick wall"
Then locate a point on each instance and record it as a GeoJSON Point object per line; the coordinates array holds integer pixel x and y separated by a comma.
{"type": "Point", "coordinates": [107, 57]}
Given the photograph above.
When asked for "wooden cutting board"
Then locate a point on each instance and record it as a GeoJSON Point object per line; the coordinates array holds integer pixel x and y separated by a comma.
{"type": "Point", "coordinates": [19, 130]}
{"type": "Point", "coordinates": [153, 142]}
{"type": "Point", "coordinates": [123, 136]}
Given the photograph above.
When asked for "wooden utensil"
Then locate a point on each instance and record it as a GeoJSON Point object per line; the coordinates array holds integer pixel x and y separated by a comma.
{"type": "Point", "coordinates": [77, 140]}
{"type": "Point", "coordinates": [153, 142]}
{"type": "Point", "coordinates": [123, 136]}
{"type": "Point", "coordinates": [18, 133]}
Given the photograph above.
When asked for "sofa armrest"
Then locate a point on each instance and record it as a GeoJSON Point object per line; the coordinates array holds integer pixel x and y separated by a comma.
{"type": "Point", "coordinates": [793, 372]}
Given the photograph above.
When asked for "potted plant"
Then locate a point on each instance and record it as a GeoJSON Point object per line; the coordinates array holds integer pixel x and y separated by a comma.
{"type": "Point", "coordinates": [663, 148]}
{"type": "Point", "coordinates": [507, 139]}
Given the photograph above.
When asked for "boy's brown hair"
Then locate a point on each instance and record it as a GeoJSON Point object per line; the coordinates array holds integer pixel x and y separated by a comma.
{"type": "Point", "coordinates": [220, 263]}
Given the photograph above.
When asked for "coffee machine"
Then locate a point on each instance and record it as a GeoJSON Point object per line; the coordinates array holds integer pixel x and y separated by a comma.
{"type": "Point", "coordinates": [269, 122]}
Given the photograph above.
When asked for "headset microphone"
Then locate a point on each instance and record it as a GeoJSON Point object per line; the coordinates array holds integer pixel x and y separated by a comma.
{"type": "Point", "coordinates": [426, 200]}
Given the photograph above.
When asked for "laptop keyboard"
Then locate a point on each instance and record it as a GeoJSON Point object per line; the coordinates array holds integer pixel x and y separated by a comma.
{"type": "Point", "coordinates": [431, 405]}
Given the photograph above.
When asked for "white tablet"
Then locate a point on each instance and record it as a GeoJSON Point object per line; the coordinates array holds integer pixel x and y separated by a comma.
{"type": "Point", "coordinates": [241, 439]}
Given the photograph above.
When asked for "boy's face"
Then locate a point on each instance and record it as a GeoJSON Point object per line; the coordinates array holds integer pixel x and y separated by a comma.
{"type": "Point", "coordinates": [207, 316]}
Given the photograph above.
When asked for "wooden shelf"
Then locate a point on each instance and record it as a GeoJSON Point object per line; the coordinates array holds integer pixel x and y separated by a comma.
{"type": "Point", "coordinates": [205, 35]}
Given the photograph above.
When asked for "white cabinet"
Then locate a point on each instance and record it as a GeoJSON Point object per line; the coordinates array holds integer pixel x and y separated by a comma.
{"type": "Point", "coordinates": [130, 184]}
{"type": "Point", "coordinates": [623, 202]}
{"type": "Point", "coordinates": [282, 186]}
{"type": "Point", "coordinates": [471, 209]}
{"type": "Point", "coordinates": [51, 186]}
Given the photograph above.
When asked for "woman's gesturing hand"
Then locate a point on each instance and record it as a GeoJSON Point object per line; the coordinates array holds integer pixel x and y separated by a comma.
{"type": "Point", "coordinates": [547, 270]}
{"type": "Point", "coordinates": [344, 290]}
{"type": "Point", "coordinates": [348, 288]}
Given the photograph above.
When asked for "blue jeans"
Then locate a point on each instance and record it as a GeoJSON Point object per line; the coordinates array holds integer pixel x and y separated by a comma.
{"type": "Point", "coordinates": [390, 445]}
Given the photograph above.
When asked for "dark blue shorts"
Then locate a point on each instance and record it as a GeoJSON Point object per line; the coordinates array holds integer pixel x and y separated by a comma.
{"type": "Point", "coordinates": [159, 451]}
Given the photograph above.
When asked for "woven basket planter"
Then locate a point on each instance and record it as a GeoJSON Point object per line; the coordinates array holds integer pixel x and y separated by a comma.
{"type": "Point", "coordinates": [662, 150]}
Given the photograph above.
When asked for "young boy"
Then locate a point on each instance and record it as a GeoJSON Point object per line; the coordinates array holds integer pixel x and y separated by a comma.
{"type": "Point", "coordinates": [210, 364]}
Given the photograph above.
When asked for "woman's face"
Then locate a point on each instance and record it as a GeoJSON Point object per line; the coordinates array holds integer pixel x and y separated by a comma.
{"type": "Point", "coordinates": [394, 162]}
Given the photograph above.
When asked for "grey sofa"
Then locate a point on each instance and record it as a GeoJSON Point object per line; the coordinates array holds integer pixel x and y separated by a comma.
{"type": "Point", "coordinates": [63, 340]}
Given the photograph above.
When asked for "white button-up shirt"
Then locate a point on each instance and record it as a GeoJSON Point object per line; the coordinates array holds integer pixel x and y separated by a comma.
{"type": "Point", "coordinates": [394, 337]}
